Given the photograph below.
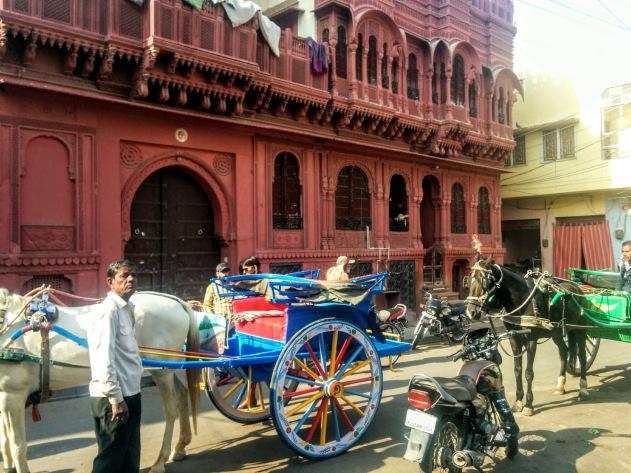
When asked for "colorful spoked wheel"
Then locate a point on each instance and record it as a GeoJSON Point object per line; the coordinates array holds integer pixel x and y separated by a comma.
{"type": "Point", "coordinates": [236, 395]}
{"type": "Point", "coordinates": [337, 379]}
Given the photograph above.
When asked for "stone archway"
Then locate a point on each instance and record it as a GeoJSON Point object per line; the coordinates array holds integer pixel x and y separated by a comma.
{"type": "Point", "coordinates": [173, 234]}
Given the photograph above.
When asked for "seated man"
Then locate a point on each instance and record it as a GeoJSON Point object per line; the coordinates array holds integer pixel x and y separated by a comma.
{"type": "Point", "coordinates": [624, 283]}
{"type": "Point", "coordinates": [215, 305]}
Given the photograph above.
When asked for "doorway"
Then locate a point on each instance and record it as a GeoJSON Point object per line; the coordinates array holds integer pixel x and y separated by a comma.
{"type": "Point", "coordinates": [172, 235]}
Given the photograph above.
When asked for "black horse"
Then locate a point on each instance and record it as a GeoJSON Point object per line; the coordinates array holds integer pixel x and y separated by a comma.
{"type": "Point", "coordinates": [544, 304]}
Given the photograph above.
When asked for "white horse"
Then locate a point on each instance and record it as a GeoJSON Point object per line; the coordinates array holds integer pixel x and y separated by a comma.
{"type": "Point", "coordinates": [162, 321]}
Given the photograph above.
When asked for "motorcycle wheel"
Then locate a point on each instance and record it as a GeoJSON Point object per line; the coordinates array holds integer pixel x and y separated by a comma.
{"type": "Point", "coordinates": [394, 329]}
{"type": "Point", "coordinates": [463, 328]}
{"type": "Point", "coordinates": [445, 442]}
{"type": "Point", "coordinates": [419, 336]}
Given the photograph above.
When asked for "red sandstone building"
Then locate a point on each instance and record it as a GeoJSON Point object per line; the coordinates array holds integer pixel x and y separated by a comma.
{"type": "Point", "coordinates": [165, 134]}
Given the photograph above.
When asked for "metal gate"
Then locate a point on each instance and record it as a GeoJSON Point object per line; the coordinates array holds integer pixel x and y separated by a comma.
{"type": "Point", "coordinates": [172, 240]}
{"type": "Point", "coordinates": [403, 279]}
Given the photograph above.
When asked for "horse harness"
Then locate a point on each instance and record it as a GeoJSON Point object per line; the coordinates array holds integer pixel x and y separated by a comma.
{"type": "Point", "coordinates": [38, 317]}
{"type": "Point", "coordinates": [543, 283]}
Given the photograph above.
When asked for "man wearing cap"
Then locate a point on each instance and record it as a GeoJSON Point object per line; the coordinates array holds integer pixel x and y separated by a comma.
{"type": "Point", "coordinates": [214, 303]}
{"type": "Point", "coordinates": [338, 272]}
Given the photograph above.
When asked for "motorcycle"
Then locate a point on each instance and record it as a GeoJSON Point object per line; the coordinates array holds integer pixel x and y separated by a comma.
{"type": "Point", "coordinates": [442, 318]}
{"type": "Point", "coordinates": [456, 422]}
{"type": "Point", "coordinates": [392, 321]}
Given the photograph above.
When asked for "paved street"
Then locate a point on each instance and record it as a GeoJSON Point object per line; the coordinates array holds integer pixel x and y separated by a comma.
{"type": "Point", "coordinates": [560, 438]}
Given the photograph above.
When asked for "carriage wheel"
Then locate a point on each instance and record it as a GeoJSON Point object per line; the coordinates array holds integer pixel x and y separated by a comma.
{"type": "Point", "coordinates": [339, 373]}
{"type": "Point", "coordinates": [235, 397]}
{"type": "Point", "coordinates": [591, 348]}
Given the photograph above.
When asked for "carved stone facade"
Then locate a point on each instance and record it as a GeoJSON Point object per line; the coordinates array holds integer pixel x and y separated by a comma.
{"type": "Point", "coordinates": [99, 96]}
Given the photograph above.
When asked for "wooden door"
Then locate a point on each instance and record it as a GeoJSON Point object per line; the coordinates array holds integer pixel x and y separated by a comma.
{"type": "Point", "coordinates": [172, 240]}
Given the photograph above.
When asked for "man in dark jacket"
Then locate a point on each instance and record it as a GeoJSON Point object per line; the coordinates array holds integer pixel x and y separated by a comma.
{"type": "Point", "coordinates": [624, 283]}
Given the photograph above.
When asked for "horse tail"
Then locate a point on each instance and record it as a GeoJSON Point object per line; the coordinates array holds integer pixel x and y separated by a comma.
{"type": "Point", "coordinates": [193, 375]}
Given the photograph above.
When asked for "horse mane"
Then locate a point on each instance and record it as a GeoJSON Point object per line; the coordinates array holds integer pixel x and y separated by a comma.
{"type": "Point", "coordinates": [8, 299]}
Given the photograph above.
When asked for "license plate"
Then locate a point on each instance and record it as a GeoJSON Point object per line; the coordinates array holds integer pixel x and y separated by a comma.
{"type": "Point", "coordinates": [421, 421]}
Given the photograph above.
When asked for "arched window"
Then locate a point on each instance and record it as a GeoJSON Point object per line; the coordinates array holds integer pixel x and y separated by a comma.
{"type": "Point", "coordinates": [473, 108]}
{"type": "Point", "coordinates": [500, 107]}
{"type": "Point", "coordinates": [286, 193]}
{"type": "Point", "coordinates": [412, 77]}
{"type": "Point", "coordinates": [398, 211]}
{"type": "Point", "coordinates": [372, 60]}
{"type": "Point", "coordinates": [352, 200]}
{"type": "Point", "coordinates": [458, 221]}
{"type": "Point", "coordinates": [340, 53]}
{"type": "Point", "coordinates": [359, 57]}
{"type": "Point", "coordinates": [457, 81]}
{"type": "Point", "coordinates": [325, 35]}
{"type": "Point", "coordinates": [385, 80]}
{"type": "Point", "coordinates": [484, 212]}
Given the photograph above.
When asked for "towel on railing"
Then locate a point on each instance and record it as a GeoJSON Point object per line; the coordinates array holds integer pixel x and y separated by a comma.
{"type": "Point", "coordinates": [242, 11]}
{"type": "Point", "coordinates": [319, 61]}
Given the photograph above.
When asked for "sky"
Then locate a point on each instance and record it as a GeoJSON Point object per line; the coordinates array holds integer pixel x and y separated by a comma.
{"type": "Point", "coordinates": [556, 37]}
{"type": "Point", "coordinates": [587, 42]}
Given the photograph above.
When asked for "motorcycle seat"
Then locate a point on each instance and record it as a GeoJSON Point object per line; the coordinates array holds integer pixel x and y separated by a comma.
{"type": "Point", "coordinates": [385, 314]}
{"type": "Point", "coordinates": [460, 387]}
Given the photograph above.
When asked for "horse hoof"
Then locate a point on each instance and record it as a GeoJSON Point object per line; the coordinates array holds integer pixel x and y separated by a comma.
{"type": "Point", "coordinates": [559, 391]}
{"type": "Point", "coordinates": [178, 456]}
{"type": "Point", "coordinates": [528, 411]}
{"type": "Point", "coordinates": [10, 470]}
{"type": "Point", "coordinates": [583, 397]}
{"type": "Point", "coordinates": [517, 407]}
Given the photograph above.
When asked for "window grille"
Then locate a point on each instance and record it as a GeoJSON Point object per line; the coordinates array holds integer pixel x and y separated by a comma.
{"type": "Point", "coordinates": [558, 144]}
{"type": "Point", "coordinates": [458, 222]}
{"type": "Point", "coordinates": [352, 200]}
{"type": "Point", "coordinates": [286, 193]}
{"type": "Point", "coordinates": [518, 156]}
{"type": "Point", "coordinates": [484, 212]}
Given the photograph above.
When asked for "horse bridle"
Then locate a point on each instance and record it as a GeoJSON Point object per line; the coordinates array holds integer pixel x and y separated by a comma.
{"type": "Point", "coordinates": [488, 283]}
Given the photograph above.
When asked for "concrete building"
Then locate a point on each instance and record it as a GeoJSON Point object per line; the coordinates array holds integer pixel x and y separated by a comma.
{"type": "Point", "coordinates": [184, 133]}
{"type": "Point", "coordinates": [566, 199]}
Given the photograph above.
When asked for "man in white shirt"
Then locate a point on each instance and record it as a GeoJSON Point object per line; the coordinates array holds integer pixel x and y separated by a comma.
{"type": "Point", "coordinates": [116, 374]}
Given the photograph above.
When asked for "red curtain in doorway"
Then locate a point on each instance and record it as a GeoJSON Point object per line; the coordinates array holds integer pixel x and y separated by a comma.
{"type": "Point", "coordinates": [576, 241]}
{"type": "Point", "coordinates": [567, 248]}
{"type": "Point", "coordinates": [597, 247]}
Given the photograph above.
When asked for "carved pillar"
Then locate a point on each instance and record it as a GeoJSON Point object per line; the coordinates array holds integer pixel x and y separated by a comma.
{"type": "Point", "coordinates": [467, 81]}
{"type": "Point", "coordinates": [3, 39]}
{"type": "Point", "coordinates": [427, 93]}
{"type": "Point", "coordinates": [379, 79]}
{"type": "Point", "coordinates": [414, 217]}
{"type": "Point", "coordinates": [448, 105]}
{"type": "Point", "coordinates": [443, 227]}
{"type": "Point", "coordinates": [471, 204]}
{"type": "Point", "coordinates": [496, 221]}
{"type": "Point", "coordinates": [333, 71]}
{"type": "Point", "coordinates": [352, 49]}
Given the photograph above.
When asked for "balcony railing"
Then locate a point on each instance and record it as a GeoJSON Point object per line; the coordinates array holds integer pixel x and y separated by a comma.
{"type": "Point", "coordinates": [208, 37]}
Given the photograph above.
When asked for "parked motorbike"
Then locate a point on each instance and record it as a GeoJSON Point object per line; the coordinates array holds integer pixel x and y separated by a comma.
{"type": "Point", "coordinates": [392, 321]}
{"type": "Point", "coordinates": [456, 422]}
{"type": "Point", "coordinates": [442, 318]}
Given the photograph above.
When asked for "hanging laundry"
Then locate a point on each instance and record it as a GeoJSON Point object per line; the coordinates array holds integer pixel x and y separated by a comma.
{"type": "Point", "coordinates": [319, 60]}
{"type": "Point", "coordinates": [242, 11]}
{"type": "Point", "coordinates": [196, 4]}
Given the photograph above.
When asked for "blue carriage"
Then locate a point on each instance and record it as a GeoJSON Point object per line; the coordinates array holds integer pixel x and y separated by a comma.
{"type": "Point", "coordinates": [304, 352]}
